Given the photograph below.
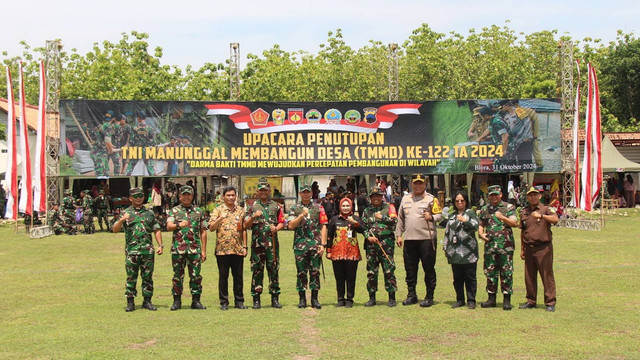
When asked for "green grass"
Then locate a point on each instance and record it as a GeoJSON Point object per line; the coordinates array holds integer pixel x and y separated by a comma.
{"type": "Point", "coordinates": [63, 298]}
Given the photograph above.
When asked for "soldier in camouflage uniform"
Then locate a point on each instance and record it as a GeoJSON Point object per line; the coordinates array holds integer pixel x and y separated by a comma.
{"type": "Point", "coordinates": [265, 218]}
{"type": "Point", "coordinates": [522, 198]}
{"type": "Point", "coordinates": [170, 193]}
{"type": "Point", "coordinates": [102, 208]}
{"type": "Point", "coordinates": [496, 220]}
{"type": "Point", "coordinates": [498, 131]}
{"type": "Point", "coordinates": [186, 142]}
{"type": "Point", "coordinates": [103, 147]}
{"type": "Point", "coordinates": [139, 223]}
{"type": "Point", "coordinates": [56, 222]}
{"type": "Point", "coordinates": [380, 221]}
{"type": "Point", "coordinates": [122, 137]}
{"type": "Point", "coordinates": [142, 136]}
{"type": "Point", "coordinates": [87, 212]}
{"type": "Point", "coordinates": [309, 221]}
{"type": "Point", "coordinates": [189, 247]}
{"type": "Point", "coordinates": [69, 210]}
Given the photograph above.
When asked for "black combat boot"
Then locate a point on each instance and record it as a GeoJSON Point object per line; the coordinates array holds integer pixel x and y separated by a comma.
{"type": "Point", "coordinates": [412, 298]}
{"type": "Point", "coordinates": [348, 303]}
{"type": "Point", "coordinates": [195, 302]}
{"type": "Point", "coordinates": [392, 299]}
{"type": "Point", "coordinates": [491, 302]}
{"type": "Point", "coordinates": [506, 304]}
{"type": "Point", "coordinates": [146, 304]}
{"type": "Point", "coordinates": [428, 300]}
{"type": "Point", "coordinates": [256, 302]}
{"type": "Point", "coordinates": [240, 305]}
{"type": "Point", "coordinates": [314, 300]}
{"type": "Point", "coordinates": [303, 300]}
{"type": "Point", "coordinates": [372, 300]}
{"type": "Point", "coordinates": [274, 301]}
{"type": "Point", "coordinates": [177, 303]}
{"type": "Point", "coordinates": [130, 305]}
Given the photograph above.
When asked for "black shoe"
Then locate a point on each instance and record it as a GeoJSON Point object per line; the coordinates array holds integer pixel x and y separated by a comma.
{"type": "Point", "coordinates": [348, 303]}
{"type": "Point", "coordinates": [314, 300]}
{"type": "Point", "coordinates": [195, 302]}
{"type": "Point", "coordinates": [412, 298]}
{"type": "Point", "coordinates": [491, 302]}
{"type": "Point", "coordinates": [551, 308]}
{"type": "Point", "coordinates": [177, 303]}
{"type": "Point", "coordinates": [426, 302]}
{"type": "Point", "coordinates": [274, 302]}
{"type": "Point", "coordinates": [256, 302]}
{"type": "Point", "coordinates": [528, 306]}
{"type": "Point", "coordinates": [146, 304]}
{"type": "Point", "coordinates": [392, 300]}
{"type": "Point", "coordinates": [372, 300]}
{"type": "Point", "coordinates": [471, 305]}
{"type": "Point", "coordinates": [457, 304]}
{"type": "Point", "coordinates": [224, 306]}
{"type": "Point", "coordinates": [303, 300]}
{"type": "Point", "coordinates": [130, 305]}
{"type": "Point", "coordinates": [340, 303]}
{"type": "Point", "coordinates": [506, 303]}
{"type": "Point", "coordinates": [240, 305]}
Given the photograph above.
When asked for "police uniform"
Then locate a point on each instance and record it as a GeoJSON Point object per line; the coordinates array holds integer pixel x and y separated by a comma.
{"type": "Point", "coordinates": [419, 240]}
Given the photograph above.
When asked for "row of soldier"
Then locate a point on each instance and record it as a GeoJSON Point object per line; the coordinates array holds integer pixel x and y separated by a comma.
{"type": "Point", "coordinates": [63, 219]}
{"type": "Point", "coordinates": [107, 140]}
{"type": "Point", "coordinates": [412, 228]}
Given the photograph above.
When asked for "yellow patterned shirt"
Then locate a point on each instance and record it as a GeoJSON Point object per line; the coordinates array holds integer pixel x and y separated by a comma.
{"type": "Point", "coordinates": [229, 235]}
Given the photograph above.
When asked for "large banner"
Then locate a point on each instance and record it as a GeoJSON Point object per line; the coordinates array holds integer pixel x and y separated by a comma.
{"type": "Point", "coordinates": [132, 138]}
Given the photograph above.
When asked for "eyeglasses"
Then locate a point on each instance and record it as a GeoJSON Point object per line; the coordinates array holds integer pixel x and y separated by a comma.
{"type": "Point", "coordinates": [137, 196]}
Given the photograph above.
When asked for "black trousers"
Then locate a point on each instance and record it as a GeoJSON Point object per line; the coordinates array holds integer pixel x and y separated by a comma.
{"type": "Point", "coordinates": [345, 273]}
{"type": "Point", "coordinates": [233, 262]}
{"type": "Point", "coordinates": [464, 276]}
{"type": "Point", "coordinates": [416, 251]}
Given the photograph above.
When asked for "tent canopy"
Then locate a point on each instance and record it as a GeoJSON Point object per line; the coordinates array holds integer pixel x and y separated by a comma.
{"type": "Point", "coordinates": [613, 161]}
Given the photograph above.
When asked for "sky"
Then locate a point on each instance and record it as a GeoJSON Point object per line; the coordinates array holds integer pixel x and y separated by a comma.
{"type": "Point", "coordinates": [192, 32]}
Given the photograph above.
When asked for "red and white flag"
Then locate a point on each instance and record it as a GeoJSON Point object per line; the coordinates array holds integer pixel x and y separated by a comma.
{"type": "Point", "coordinates": [585, 200]}
{"type": "Point", "coordinates": [596, 138]}
{"type": "Point", "coordinates": [11, 175]}
{"type": "Point", "coordinates": [26, 192]}
{"type": "Point", "coordinates": [575, 201]}
{"type": "Point", "coordinates": [40, 171]}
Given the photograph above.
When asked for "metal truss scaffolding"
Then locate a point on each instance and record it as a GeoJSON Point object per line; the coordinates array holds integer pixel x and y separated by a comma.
{"type": "Point", "coordinates": [394, 91]}
{"type": "Point", "coordinates": [53, 76]}
{"type": "Point", "coordinates": [234, 71]}
{"type": "Point", "coordinates": [568, 111]}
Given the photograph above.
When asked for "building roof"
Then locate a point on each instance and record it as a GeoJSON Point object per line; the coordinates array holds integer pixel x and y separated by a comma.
{"type": "Point", "coordinates": [617, 138]}
{"type": "Point", "coordinates": [32, 112]}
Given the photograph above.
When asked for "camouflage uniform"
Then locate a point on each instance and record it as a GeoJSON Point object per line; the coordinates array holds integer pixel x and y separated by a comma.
{"type": "Point", "coordinates": [99, 153]}
{"type": "Point", "coordinates": [123, 135]}
{"type": "Point", "coordinates": [498, 251]}
{"type": "Point", "coordinates": [69, 209]}
{"type": "Point", "coordinates": [87, 213]}
{"type": "Point", "coordinates": [102, 207]}
{"type": "Point", "coordinates": [139, 249]}
{"type": "Point", "coordinates": [185, 163]}
{"type": "Point", "coordinates": [170, 192]}
{"type": "Point", "coordinates": [3, 201]}
{"type": "Point", "coordinates": [306, 240]}
{"type": "Point", "coordinates": [264, 246]}
{"type": "Point", "coordinates": [382, 229]}
{"type": "Point", "coordinates": [142, 136]}
{"type": "Point", "coordinates": [498, 127]}
{"type": "Point", "coordinates": [186, 249]}
{"type": "Point", "coordinates": [57, 224]}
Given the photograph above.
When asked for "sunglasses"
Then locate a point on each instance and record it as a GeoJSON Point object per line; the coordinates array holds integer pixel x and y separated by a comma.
{"type": "Point", "coordinates": [137, 196]}
{"type": "Point", "coordinates": [459, 201]}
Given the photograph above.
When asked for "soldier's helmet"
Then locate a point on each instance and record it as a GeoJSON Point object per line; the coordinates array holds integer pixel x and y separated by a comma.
{"type": "Point", "coordinates": [67, 192]}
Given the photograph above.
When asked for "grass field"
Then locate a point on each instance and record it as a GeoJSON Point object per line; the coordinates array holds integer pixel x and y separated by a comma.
{"type": "Point", "coordinates": [63, 298]}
